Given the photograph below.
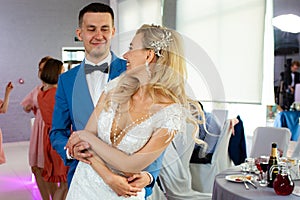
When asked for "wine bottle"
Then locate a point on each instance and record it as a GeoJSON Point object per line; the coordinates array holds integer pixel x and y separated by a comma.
{"type": "Point", "coordinates": [273, 165]}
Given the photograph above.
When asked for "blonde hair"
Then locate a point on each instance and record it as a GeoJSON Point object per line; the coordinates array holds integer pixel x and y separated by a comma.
{"type": "Point", "coordinates": [168, 73]}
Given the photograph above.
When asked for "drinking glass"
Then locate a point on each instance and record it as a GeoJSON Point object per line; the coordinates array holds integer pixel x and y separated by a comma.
{"type": "Point", "coordinates": [250, 163]}
{"type": "Point", "coordinates": [262, 164]}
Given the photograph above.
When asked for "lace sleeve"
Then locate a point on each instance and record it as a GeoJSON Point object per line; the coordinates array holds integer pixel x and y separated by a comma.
{"type": "Point", "coordinates": [173, 119]}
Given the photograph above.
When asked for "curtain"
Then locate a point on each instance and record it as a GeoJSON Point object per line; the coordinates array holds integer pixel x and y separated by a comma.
{"type": "Point", "coordinates": [224, 48]}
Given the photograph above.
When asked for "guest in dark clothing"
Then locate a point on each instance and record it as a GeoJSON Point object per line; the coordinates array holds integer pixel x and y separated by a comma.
{"type": "Point", "coordinates": [214, 128]}
{"type": "Point", "coordinates": [291, 78]}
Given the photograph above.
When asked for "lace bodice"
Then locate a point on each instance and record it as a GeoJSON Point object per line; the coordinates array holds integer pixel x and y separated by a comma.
{"type": "Point", "coordinates": [170, 117]}
{"type": "Point", "coordinates": [88, 185]}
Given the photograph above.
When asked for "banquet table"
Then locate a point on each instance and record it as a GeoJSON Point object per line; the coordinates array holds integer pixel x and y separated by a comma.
{"type": "Point", "coordinates": [227, 190]}
{"type": "Point", "coordinates": [290, 120]}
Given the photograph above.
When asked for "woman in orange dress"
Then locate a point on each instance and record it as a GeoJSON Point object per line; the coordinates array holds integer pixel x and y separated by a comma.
{"type": "Point", "coordinates": [54, 168]}
{"type": "Point", "coordinates": [3, 109]}
{"type": "Point", "coordinates": [36, 149]}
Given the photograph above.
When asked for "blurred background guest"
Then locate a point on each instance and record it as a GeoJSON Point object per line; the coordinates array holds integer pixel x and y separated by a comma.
{"type": "Point", "coordinates": [54, 169]}
{"type": "Point", "coordinates": [36, 150]}
{"type": "Point", "coordinates": [3, 109]}
{"type": "Point", "coordinates": [291, 77]}
{"type": "Point", "coordinates": [210, 135]}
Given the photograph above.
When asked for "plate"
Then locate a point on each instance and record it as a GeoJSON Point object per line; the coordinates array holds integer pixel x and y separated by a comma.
{"type": "Point", "coordinates": [238, 178]}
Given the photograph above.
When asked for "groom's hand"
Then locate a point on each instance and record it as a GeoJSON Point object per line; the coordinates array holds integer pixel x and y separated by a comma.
{"type": "Point", "coordinates": [140, 180]}
{"type": "Point", "coordinates": [121, 187]}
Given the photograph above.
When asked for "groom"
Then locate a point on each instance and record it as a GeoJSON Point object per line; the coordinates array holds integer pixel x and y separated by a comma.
{"type": "Point", "coordinates": [80, 88]}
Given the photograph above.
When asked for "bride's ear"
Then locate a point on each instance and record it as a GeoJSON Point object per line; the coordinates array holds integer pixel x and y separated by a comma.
{"type": "Point", "coordinates": [150, 56]}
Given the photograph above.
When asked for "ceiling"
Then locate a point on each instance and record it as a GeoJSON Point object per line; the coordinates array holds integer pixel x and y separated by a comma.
{"type": "Point", "coordinates": [286, 43]}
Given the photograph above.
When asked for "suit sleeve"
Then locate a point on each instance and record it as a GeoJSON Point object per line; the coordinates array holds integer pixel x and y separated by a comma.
{"type": "Point", "coordinates": [154, 170]}
{"type": "Point", "coordinates": [61, 123]}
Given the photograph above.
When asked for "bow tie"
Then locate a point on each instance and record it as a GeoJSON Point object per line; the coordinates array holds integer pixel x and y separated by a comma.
{"type": "Point", "coordinates": [90, 68]}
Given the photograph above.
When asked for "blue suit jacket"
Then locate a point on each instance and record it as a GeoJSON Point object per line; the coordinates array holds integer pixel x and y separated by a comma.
{"type": "Point", "coordinates": [73, 107]}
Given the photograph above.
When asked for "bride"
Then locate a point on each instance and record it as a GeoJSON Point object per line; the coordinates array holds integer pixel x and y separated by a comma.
{"type": "Point", "coordinates": [136, 118]}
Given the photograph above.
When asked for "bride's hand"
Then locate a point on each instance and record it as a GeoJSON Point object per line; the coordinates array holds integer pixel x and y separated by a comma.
{"type": "Point", "coordinates": [121, 186]}
{"type": "Point", "coordinates": [76, 140]}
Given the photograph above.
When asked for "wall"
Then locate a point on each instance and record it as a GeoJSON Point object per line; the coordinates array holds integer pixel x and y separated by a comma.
{"type": "Point", "coordinates": [31, 29]}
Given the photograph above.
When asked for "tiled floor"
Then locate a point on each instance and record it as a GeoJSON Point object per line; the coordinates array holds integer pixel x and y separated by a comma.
{"type": "Point", "coordinates": [16, 181]}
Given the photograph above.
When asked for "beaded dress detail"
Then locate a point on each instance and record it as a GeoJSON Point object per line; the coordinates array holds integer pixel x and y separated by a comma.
{"type": "Point", "coordinates": [87, 184]}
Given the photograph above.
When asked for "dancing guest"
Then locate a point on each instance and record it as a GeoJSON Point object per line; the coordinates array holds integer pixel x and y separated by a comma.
{"type": "Point", "coordinates": [3, 109]}
{"type": "Point", "coordinates": [36, 150]}
{"type": "Point", "coordinates": [54, 170]}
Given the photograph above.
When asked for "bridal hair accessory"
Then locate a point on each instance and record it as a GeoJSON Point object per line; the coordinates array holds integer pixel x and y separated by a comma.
{"type": "Point", "coordinates": [161, 44]}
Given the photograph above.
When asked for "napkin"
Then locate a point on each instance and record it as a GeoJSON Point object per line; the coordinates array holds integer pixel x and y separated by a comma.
{"type": "Point", "coordinates": [296, 190]}
{"type": "Point", "coordinates": [294, 173]}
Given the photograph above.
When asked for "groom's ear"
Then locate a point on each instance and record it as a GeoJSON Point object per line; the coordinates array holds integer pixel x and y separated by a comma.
{"type": "Point", "coordinates": [78, 33]}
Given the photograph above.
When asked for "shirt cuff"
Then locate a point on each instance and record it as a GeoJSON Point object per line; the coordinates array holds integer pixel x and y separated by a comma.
{"type": "Point", "coordinates": [69, 157]}
{"type": "Point", "coordinates": [150, 176]}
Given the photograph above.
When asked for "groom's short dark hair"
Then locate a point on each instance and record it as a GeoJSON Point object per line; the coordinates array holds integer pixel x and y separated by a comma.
{"type": "Point", "coordinates": [94, 8]}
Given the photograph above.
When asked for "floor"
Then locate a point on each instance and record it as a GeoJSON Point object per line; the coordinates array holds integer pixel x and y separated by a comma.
{"type": "Point", "coordinates": [16, 181]}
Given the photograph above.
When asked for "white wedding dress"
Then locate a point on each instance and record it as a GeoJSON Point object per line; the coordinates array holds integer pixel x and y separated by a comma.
{"type": "Point", "coordinates": [87, 184]}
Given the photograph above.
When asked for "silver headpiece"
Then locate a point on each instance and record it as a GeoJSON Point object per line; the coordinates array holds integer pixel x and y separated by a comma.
{"type": "Point", "coordinates": [161, 44]}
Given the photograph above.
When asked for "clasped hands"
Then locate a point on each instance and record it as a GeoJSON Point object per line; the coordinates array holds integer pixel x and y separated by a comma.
{"type": "Point", "coordinates": [79, 149]}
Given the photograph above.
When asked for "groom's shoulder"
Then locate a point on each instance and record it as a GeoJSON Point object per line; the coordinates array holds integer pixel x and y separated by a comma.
{"type": "Point", "coordinates": [70, 74]}
{"type": "Point", "coordinates": [116, 59]}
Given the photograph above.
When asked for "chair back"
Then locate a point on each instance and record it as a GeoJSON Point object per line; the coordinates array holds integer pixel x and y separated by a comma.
{"type": "Point", "coordinates": [297, 92]}
{"type": "Point", "coordinates": [296, 152]}
{"type": "Point", "coordinates": [203, 175]}
{"type": "Point", "coordinates": [221, 115]}
{"type": "Point", "coordinates": [175, 177]}
{"type": "Point", "coordinates": [263, 138]}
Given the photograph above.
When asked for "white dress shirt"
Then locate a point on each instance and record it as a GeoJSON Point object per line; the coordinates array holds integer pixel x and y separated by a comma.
{"type": "Point", "coordinates": [97, 80]}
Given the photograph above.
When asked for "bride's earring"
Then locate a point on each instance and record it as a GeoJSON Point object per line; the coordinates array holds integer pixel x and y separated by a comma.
{"type": "Point", "coordinates": [148, 69]}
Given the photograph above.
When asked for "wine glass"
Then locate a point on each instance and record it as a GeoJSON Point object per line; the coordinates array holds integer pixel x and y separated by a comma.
{"type": "Point", "coordinates": [262, 164]}
{"type": "Point", "coordinates": [250, 164]}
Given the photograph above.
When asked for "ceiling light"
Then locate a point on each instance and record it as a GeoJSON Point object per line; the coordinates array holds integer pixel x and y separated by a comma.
{"type": "Point", "coordinates": [287, 23]}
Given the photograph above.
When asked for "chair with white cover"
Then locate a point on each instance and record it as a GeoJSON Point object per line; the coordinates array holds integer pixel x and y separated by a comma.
{"type": "Point", "coordinates": [221, 115]}
{"type": "Point", "coordinates": [203, 175]}
{"type": "Point", "coordinates": [175, 177]}
{"type": "Point", "coordinates": [296, 152]}
{"type": "Point", "coordinates": [297, 92]}
{"type": "Point", "coordinates": [263, 137]}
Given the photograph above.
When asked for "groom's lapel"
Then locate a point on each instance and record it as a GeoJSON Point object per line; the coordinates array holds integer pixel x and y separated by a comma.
{"type": "Point", "coordinates": [82, 101]}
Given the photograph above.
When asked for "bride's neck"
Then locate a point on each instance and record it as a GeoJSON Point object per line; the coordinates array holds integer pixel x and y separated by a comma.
{"type": "Point", "coordinates": [141, 94]}
{"type": "Point", "coordinates": [141, 100]}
